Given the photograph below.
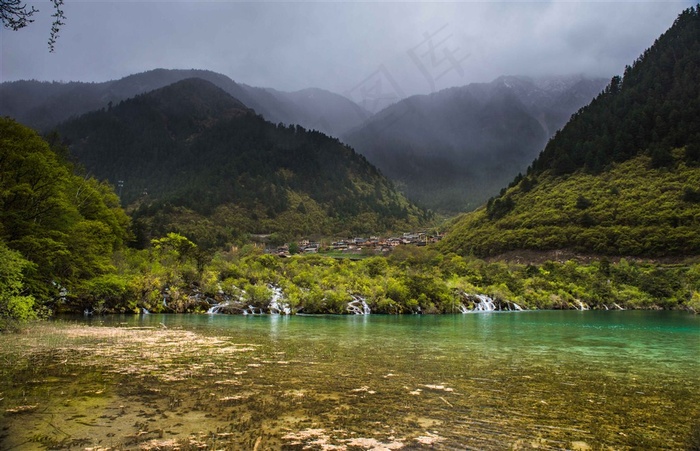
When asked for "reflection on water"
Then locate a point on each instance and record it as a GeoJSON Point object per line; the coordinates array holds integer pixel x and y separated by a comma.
{"type": "Point", "coordinates": [547, 380]}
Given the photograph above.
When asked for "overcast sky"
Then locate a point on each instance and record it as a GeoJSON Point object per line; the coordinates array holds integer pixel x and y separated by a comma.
{"type": "Point", "coordinates": [345, 47]}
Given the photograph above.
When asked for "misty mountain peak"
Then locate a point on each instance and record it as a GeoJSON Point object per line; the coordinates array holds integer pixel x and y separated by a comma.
{"type": "Point", "coordinates": [455, 148]}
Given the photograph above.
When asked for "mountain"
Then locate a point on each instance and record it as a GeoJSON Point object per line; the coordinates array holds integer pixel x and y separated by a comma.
{"type": "Point", "coordinates": [621, 178]}
{"type": "Point", "coordinates": [42, 105]}
{"type": "Point", "coordinates": [189, 157]}
{"type": "Point", "coordinates": [453, 149]}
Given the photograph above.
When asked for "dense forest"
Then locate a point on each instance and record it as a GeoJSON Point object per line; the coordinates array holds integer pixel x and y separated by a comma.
{"type": "Point", "coordinates": [621, 178]}
{"type": "Point", "coordinates": [194, 160]}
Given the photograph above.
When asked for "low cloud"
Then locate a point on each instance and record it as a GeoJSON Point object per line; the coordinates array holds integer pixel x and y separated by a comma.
{"type": "Point", "coordinates": [418, 47]}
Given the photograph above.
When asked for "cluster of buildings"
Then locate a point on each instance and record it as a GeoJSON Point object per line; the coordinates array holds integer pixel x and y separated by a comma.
{"type": "Point", "coordinates": [358, 244]}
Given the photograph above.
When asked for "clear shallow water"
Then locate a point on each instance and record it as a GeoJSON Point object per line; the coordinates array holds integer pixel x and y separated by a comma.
{"type": "Point", "coordinates": [547, 380]}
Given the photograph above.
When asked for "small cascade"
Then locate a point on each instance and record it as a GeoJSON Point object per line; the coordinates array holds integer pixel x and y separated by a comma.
{"type": "Point", "coordinates": [615, 304]}
{"type": "Point", "coordinates": [605, 307]}
{"type": "Point", "coordinates": [145, 311]}
{"type": "Point", "coordinates": [358, 306]}
{"type": "Point", "coordinates": [216, 308]}
{"type": "Point", "coordinates": [229, 303]}
{"type": "Point", "coordinates": [581, 305]}
{"type": "Point", "coordinates": [485, 304]}
{"type": "Point", "coordinates": [277, 307]}
{"type": "Point", "coordinates": [87, 312]}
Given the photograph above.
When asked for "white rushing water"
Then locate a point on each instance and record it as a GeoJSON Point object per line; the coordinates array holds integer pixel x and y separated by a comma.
{"type": "Point", "coordinates": [358, 306]}
{"type": "Point", "coordinates": [485, 304]}
{"type": "Point", "coordinates": [214, 309]}
{"type": "Point", "coordinates": [277, 305]}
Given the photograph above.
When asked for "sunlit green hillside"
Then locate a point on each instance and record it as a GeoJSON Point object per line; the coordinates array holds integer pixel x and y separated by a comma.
{"type": "Point", "coordinates": [632, 209]}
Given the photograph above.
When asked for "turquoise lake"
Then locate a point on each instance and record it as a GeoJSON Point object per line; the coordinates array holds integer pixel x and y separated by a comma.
{"type": "Point", "coordinates": [526, 380]}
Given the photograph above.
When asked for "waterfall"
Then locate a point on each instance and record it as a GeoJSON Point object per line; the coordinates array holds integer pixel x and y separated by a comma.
{"type": "Point", "coordinates": [229, 304]}
{"type": "Point", "coordinates": [485, 304]}
{"type": "Point", "coordinates": [358, 306]}
{"type": "Point", "coordinates": [145, 311]}
{"type": "Point", "coordinates": [217, 308]}
{"type": "Point", "coordinates": [581, 305]}
{"type": "Point", "coordinates": [277, 307]}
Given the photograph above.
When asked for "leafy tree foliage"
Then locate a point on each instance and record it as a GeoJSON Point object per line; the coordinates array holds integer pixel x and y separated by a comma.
{"type": "Point", "coordinates": [15, 14]}
{"type": "Point", "coordinates": [15, 306]}
{"type": "Point", "coordinates": [67, 225]}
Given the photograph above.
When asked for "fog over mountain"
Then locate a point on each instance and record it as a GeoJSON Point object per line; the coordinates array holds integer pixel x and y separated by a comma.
{"type": "Point", "coordinates": [454, 149]}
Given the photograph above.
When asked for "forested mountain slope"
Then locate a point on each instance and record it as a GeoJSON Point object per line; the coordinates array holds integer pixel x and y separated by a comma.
{"type": "Point", "coordinates": [622, 177]}
{"type": "Point", "coordinates": [195, 160]}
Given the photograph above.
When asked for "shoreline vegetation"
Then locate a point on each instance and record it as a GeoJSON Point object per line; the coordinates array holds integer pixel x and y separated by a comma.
{"type": "Point", "coordinates": [410, 280]}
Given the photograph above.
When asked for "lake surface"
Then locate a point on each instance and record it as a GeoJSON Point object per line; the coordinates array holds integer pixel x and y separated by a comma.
{"type": "Point", "coordinates": [529, 380]}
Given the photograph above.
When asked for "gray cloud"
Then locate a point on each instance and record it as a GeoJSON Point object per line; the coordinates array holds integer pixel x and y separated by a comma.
{"type": "Point", "coordinates": [419, 47]}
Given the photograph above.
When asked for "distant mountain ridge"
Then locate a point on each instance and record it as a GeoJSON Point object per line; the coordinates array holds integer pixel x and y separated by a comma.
{"type": "Point", "coordinates": [195, 160]}
{"type": "Point", "coordinates": [42, 105]}
{"type": "Point", "coordinates": [455, 148]}
{"type": "Point", "coordinates": [621, 178]}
